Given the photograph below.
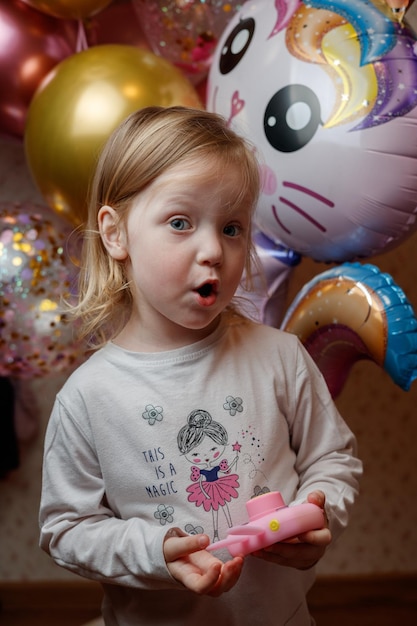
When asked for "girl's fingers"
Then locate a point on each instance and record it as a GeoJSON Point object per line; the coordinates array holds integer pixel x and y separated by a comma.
{"type": "Point", "coordinates": [230, 574]}
{"type": "Point", "coordinates": [177, 544]}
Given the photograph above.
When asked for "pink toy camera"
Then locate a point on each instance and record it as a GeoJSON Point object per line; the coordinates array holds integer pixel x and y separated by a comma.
{"type": "Point", "coordinates": [270, 521]}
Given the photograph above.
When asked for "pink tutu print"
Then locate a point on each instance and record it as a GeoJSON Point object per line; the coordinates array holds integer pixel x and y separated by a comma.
{"type": "Point", "coordinates": [213, 492]}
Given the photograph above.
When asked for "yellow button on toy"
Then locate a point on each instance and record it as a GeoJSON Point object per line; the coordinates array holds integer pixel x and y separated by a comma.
{"type": "Point", "coordinates": [274, 525]}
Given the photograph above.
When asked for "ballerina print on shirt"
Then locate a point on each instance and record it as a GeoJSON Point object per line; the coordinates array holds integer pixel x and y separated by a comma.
{"type": "Point", "coordinates": [203, 442]}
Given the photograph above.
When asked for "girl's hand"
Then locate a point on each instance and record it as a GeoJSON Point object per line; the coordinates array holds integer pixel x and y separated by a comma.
{"type": "Point", "coordinates": [198, 570]}
{"type": "Point", "coordinates": [304, 551]}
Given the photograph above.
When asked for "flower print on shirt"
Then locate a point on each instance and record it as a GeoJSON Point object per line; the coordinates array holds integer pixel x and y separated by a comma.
{"type": "Point", "coordinates": [233, 405]}
{"type": "Point", "coordinates": [203, 441]}
{"type": "Point", "coordinates": [153, 414]}
{"type": "Point", "coordinates": [164, 514]}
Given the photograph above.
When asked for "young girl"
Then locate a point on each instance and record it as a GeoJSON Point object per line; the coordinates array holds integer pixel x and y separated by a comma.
{"type": "Point", "coordinates": [186, 408]}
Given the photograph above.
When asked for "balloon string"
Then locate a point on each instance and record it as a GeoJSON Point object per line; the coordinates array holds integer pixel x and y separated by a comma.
{"type": "Point", "coordinates": [82, 42]}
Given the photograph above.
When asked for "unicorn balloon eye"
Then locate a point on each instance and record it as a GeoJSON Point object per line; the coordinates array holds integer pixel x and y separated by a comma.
{"type": "Point", "coordinates": [326, 90]}
{"type": "Point", "coordinates": [236, 45]}
{"type": "Point", "coordinates": [291, 118]}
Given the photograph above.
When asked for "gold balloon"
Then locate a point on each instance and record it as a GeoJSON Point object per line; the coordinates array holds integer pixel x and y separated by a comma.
{"type": "Point", "coordinates": [77, 107]}
{"type": "Point", "coordinates": [69, 9]}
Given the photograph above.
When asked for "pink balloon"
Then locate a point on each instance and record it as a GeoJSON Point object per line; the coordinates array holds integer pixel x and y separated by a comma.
{"type": "Point", "coordinates": [31, 44]}
{"type": "Point", "coordinates": [69, 9]}
{"type": "Point", "coordinates": [117, 23]}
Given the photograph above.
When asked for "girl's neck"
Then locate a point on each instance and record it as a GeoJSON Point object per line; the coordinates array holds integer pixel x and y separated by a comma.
{"type": "Point", "coordinates": [135, 338]}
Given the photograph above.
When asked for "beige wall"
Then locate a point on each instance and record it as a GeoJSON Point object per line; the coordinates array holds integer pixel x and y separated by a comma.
{"type": "Point", "coordinates": [382, 537]}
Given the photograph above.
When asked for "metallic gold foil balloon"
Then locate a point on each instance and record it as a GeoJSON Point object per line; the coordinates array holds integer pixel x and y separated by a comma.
{"type": "Point", "coordinates": [31, 44]}
{"type": "Point", "coordinates": [84, 98]}
{"type": "Point", "coordinates": [36, 272]}
{"type": "Point", "coordinates": [70, 9]}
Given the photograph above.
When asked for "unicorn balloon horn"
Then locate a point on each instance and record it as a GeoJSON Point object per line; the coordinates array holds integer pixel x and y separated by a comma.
{"type": "Point", "coordinates": [398, 8]}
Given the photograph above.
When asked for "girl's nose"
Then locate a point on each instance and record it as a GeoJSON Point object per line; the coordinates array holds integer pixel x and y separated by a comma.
{"type": "Point", "coordinates": [210, 250]}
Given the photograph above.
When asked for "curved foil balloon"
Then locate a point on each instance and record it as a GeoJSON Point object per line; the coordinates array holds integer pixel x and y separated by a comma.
{"type": "Point", "coordinates": [326, 90]}
{"type": "Point", "coordinates": [354, 312]}
{"type": "Point", "coordinates": [36, 273]}
{"type": "Point", "coordinates": [78, 106]}
{"type": "Point", "coordinates": [31, 45]}
{"type": "Point", "coordinates": [69, 9]}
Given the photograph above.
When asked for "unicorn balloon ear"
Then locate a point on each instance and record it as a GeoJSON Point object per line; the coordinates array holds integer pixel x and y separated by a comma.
{"type": "Point", "coordinates": [354, 312]}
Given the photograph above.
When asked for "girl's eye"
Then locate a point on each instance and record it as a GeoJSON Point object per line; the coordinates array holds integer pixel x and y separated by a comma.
{"type": "Point", "coordinates": [179, 223]}
{"type": "Point", "coordinates": [232, 230]}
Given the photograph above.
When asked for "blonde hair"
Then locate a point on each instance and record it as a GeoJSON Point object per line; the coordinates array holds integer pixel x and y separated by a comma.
{"type": "Point", "coordinates": [142, 148]}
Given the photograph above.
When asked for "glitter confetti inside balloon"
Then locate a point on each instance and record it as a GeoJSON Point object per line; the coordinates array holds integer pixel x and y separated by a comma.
{"type": "Point", "coordinates": [36, 272]}
{"type": "Point", "coordinates": [185, 32]}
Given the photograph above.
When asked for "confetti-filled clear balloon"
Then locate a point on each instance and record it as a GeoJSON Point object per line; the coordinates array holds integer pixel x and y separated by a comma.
{"type": "Point", "coordinates": [36, 273]}
{"type": "Point", "coordinates": [185, 32]}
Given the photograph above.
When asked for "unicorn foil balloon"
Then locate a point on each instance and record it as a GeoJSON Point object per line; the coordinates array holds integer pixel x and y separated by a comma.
{"type": "Point", "coordinates": [326, 91]}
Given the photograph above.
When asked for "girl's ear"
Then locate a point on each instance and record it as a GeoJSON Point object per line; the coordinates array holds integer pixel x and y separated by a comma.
{"type": "Point", "coordinates": [113, 237]}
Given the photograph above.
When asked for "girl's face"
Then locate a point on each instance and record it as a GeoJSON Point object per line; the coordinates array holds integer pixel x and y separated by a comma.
{"type": "Point", "coordinates": [185, 251]}
{"type": "Point", "coordinates": [206, 454]}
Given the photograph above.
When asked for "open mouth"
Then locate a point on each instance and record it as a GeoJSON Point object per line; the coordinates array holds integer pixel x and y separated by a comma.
{"type": "Point", "coordinates": [207, 290]}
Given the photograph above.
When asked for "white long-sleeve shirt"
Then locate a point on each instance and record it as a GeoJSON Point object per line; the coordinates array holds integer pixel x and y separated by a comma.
{"type": "Point", "coordinates": [139, 443]}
